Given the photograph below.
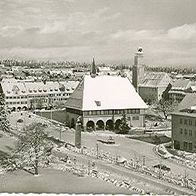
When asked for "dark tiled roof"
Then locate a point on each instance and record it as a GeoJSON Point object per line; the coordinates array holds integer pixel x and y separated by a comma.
{"type": "Point", "coordinates": [76, 98]}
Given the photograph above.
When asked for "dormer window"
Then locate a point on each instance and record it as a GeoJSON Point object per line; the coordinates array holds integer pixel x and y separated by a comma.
{"type": "Point", "coordinates": [45, 90]}
{"type": "Point", "coordinates": [30, 90]}
{"type": "Point", "coordinates": [35, 90]}
{"type": "Point", "coordinates": [8, 92]}
{"type": "Point", "coordinates": [40, 90]}
{"type": "Point", "coordinates": [98, 103]}
{"type": "Point", "coordinates": [56, 89]}
{"type": "Point", "coordinates": [67, 89]}
{"type": "Point", "coordinates": [23, 91]}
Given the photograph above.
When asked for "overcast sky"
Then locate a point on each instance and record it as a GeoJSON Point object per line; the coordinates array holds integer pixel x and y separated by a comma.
{"type": "Point", "coordinates": [110, 30]}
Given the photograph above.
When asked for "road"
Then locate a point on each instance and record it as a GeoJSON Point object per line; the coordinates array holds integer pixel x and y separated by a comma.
{"type": "Point", "coordinates": [128, 148]}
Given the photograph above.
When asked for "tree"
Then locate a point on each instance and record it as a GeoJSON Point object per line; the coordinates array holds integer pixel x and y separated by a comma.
{"type": "Point", "coordinates": [4, 123]}
{"type": "Point", "coordinates": [31, 151]}
{"type": "Point", "coordinates": [123, 126]}
{"type": "Point", "coordinates": [166, 107]}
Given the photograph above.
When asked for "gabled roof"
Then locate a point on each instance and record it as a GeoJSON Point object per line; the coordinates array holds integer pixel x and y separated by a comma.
{"type": "Point", "coordinates": [181, 84]}
{"type": "Point", "coordinates": [155, 79]}
{"type": "Point", "coordinates": [75, 100]}
{"type": "Point", "coordinates": [188, 101]}
{"type": "Point", "coordinates": [105, 93]}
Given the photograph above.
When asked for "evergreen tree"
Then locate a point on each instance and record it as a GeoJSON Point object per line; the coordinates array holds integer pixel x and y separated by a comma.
{"type": "Point", "coordinates": [123, 126]}
{"type": "Point", "coordinates": [4, 123]}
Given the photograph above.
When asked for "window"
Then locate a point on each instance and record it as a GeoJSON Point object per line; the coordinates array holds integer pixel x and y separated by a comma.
{"type": "Point", "coordinates": [190, 132]}
{"type": "Point", "coordinates": [135, 117]}
{"type": "Point", "coordinates": [185, 144]}
{"type": "Point", "coordinates": [185, 121]}
{"type": "Point", "coordinates": [180, 120]}
{"type": "Point", "coordinates": [190, 122]}
{"type": "Point", "coordinates": [190, 146]}
{"type": "Point", "coordinates": [181, 131]}
{"type": "Point", "coordinates": [185, 131]}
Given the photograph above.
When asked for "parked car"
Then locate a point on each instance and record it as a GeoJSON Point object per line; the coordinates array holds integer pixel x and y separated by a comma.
{"type": "Point", "coordinates": [162, 166]}
{"type": "Point", "coordinates": [108, 140]}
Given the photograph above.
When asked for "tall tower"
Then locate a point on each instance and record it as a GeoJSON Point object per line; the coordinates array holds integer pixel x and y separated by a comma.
{"type": "Point", "coordinates": [138, 68]}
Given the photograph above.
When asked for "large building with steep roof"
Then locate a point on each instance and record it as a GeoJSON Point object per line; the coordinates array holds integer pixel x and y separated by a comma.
{"type": "Point", "coordinates": [102, 100]}
{"type": "Point", "coordinates": [153, 86]}
{"type": "Point", "coordinates": [184, 124]}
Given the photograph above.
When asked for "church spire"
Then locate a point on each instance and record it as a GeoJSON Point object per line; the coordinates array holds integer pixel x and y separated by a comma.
{"type": "Point", "coordinates": [93, 68]}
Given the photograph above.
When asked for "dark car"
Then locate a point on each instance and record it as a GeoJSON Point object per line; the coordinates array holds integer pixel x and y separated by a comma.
{"type": "Point", "coordinates": [19, 120]}
{"type": "Point", "coordinates": [161, 166]}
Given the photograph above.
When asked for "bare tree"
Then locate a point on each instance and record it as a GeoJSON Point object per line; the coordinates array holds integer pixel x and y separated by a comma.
{"type": "Point", "coordinates": [166, 107]}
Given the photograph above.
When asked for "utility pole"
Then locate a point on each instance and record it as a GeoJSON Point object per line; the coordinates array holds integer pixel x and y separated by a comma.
{"type": "Point", "coordinates": [97, 148]}
{"type": "Point", "coordinates": [144, 160]}
{"type": "Point", "coordinates": [78, 132]}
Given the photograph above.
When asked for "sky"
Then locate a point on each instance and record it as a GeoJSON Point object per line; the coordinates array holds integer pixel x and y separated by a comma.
{"type": "Point", "coordinates": [109, 30]}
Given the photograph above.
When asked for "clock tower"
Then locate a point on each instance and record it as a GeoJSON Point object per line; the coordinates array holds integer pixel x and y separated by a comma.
{"type": "Point", "coordinates": [138, 68]}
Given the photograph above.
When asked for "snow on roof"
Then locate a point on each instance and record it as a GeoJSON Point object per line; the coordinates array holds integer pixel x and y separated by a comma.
{"type": "Point", "coordinates": [110, 92]}
{"type": "Point", "coordinates": [13, 87]}
{"type": "Point", "coordinates": [155, 79]}
{"type": "Point", "coordinates": [181, 84]}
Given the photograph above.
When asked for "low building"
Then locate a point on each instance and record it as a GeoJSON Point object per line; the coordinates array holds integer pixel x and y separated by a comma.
{"type": "Point", "coordinates": [184, 124]}
{"type": "Point", "coordinates": [21, 94]}
{"type": "Point", "coordinates": [180, 88]}
{"type": "Point", "coordinates": [102, 100]}
{"type": "Point", "coordinates": [153, 86]}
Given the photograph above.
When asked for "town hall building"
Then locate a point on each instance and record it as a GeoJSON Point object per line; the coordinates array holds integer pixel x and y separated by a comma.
{"type": "Point", "coordinates": [102, 100]}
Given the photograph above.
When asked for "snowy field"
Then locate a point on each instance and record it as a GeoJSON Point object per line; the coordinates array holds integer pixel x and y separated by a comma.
{"type": "Point", "coordinates": [55, 181]}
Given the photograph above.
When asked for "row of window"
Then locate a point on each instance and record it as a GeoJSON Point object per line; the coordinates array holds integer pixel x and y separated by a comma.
{"type": "Point", "coordinates": [33, 100]}
{"type": "Point", "coordinates": [186, 132]}
{"type": "Point", "coordinates": [111, 112]}
{"type": "Point", "coordinates": [187, 146]}
{"type": "Point", "coordinates": [16, 102]}
{"type": "Point", "coordinates": [32, 96]}
{"type": "Point", "coordinates": [187, 122]}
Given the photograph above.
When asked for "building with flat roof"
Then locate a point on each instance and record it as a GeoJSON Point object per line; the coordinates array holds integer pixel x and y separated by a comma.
{"type": "Point", "coordinates": [184, 124]}
{"type": "Point", "coordinates": [102, 100]}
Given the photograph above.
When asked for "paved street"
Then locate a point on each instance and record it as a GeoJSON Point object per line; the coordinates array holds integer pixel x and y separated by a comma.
{"type": "Point", "coordinates": [128, 148]}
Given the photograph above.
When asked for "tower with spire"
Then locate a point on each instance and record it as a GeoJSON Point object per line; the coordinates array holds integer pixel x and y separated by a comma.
{"type": "Point", "coordinates": [93, 68]}
{"type": "Point", "coordinates": [138, 68]}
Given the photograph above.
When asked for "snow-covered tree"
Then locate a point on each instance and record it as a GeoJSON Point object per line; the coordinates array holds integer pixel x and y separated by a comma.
{"type": "Point", "coordinates": [4, 123]}
{"type": "Point", "coordinates": [32, 149]}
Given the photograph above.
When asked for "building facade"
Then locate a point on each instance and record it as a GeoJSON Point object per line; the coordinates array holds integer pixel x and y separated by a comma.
{"type": "Point", "coordinates": [180, 88]}
{"type": "Point", "coordinates": [101, 101]}
{"type": "Point", "coordinates": [24, 95]}
{"type": "Point", "coordinates": [184, 125]}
